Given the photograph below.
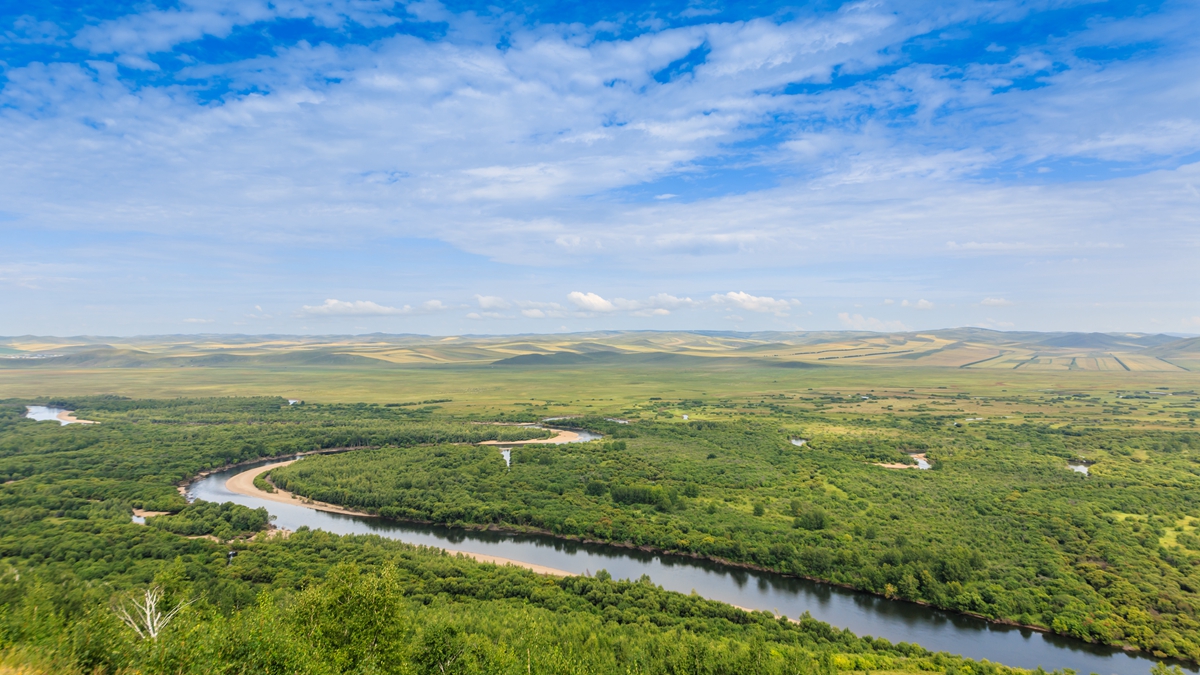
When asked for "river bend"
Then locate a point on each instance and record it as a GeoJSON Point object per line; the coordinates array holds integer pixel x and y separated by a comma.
{"type": "Point", "coordinates": [862, 613]}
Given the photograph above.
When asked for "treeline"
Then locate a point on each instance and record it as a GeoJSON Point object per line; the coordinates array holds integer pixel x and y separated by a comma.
{"type": "Point", "coordinates": [223, 521]}
{"type": "Point", "coordinates": [322, 604]}
{"type": "Point", "coordinates": [141, 449]}
{"type": "Point", "coordinates": [1001, 527]}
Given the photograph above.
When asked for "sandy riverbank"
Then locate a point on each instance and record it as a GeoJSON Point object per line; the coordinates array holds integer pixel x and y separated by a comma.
{"type": "Point", "coordinates": [897, 465]}
{"type": "Point", "coordinates": [68, 417]}
{"type": "Point", "coordinates": [563, 436]}
{"type": "Point", "coordinates": [243, 484]}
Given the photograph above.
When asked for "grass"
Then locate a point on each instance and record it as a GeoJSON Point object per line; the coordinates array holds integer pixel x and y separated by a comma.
{"type": "Point", "coordinates": [1054, 397]}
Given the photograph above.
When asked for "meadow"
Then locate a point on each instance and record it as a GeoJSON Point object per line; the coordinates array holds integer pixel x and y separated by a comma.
{"type": "Point", "coordinates": [1000, 526]}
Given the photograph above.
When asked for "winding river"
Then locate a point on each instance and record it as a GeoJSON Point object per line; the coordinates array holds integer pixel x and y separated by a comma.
{"type": "Point", "coordinates": [862, 613]}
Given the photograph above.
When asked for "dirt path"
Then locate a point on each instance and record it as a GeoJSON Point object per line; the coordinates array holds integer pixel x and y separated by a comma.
{"type": "Point", "coordinates": [243, 484]}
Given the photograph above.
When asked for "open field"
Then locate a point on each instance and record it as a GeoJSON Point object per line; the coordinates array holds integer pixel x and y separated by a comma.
{"type": "Point", "coordinates": [599, 388]}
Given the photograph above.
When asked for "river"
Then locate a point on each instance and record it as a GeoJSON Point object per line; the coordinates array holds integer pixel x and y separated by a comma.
{"type": "Point", "coordinates": [862, 613]}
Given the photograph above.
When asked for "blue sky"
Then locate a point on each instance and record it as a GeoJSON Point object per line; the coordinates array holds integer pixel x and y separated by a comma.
{"type": "Point", "coordinates": [347, 166]}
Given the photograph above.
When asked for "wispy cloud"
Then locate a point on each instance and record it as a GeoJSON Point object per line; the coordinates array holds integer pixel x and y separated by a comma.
{"type": "Point", "coordinates": [332, 307]}
{"type": "Point", "coordinates": [996, 302]}
{"type": "Point", "coordinates": [859, 322]}
{"type": "Point", "coordinates": [919, 304]}
{"type": "Point", "coordinates": [656, 305]}
{"type": "Point", "coordinates": [550, 150]}
{"type": "Point", "coordinates": [756, 303]}
{"type": "Point", "coordinates": [492, 302]}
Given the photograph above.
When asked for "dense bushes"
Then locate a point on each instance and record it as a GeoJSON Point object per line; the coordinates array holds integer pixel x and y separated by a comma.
{"type": "Point", "coordinates": [1001, 528]}
{"type": "Point", "coordinates": [325, 604]}
{"type": "Point", "coordinates": [223, 521]}
{"type": "Point", "coordinates": [1036, 533]}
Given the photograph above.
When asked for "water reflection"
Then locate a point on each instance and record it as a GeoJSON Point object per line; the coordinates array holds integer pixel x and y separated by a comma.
{"type": "Point", "coordinates": [43, 413]}
{"type": "Point", "coordinates": [862, 613]}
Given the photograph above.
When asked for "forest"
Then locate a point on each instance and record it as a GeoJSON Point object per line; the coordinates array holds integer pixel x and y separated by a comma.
{"type": "Point", "coordinates": [999, 527]}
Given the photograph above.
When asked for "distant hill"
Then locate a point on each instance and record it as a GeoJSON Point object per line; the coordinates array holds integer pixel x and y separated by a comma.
{"type": "Point", "coordinates": [109, 357]}
{"type": "Point", "coordinates": [967, 347]}
{"type": "Point", "coordinates": [1088, 341]}
{"type": "Point", "coordinates": [626, 358]}
{"type": "Point", "coordinates": [1187, 347]}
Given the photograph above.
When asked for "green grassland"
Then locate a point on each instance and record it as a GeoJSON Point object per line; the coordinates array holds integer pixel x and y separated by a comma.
{"type": "Point", "coordinates": [1000, 527]}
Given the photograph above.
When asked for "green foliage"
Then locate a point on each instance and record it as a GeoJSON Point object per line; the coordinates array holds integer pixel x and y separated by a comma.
{"type": "Point", "coordinates": [223, 521]}
{"type": "Point", "coordinates": [1001, 528]}
{"type": "Point", "coordinates": [324, 604]}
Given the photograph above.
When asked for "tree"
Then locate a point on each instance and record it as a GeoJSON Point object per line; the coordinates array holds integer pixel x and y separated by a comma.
{"type": "Point", "coordinates": [144, 616]}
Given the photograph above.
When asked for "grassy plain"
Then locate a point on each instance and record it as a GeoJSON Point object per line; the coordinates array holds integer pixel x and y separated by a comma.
{"type": "Point", "coordinates": [615, 389]}
{"type": "Point", "coordinates": [1000, 416]}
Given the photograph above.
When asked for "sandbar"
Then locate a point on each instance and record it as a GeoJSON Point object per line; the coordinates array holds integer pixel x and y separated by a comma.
{"type": "Point", "coordinates": [243, 484]}
{"type": "Point", "coordinates": [897, 465]}
{"type": "Point", "coordinates": [68, 417]}
{"type": "Point", "coordinates": [563, 436]}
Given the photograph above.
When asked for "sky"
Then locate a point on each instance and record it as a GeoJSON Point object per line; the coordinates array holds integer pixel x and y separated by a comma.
{"type": "Point", "coordinates": [356, 166]}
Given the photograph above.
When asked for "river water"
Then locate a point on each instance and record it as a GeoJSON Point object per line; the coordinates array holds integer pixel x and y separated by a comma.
{"type": "Point", "coordinates": [862, 613]}
{"type": "Point", "coordinates": [43, 413]}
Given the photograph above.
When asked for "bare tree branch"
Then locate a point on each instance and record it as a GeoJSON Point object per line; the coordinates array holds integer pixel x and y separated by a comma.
{"type": "Point", "coordinates": [146, 619]}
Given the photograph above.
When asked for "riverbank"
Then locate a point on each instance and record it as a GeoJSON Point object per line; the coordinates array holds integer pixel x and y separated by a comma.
{"type": "Point", "coordinates": [920, 457]}
{"type": "Point", "coordinates": [68, 417]}
{"type": "Point", "coordinates": [729, 565]}
{"type": "Point", "coordinates": [243, 484]}
{"type": "Point", "coordinates": [183, 487]}
{"type": "Point", "coordinates": [563, 436]}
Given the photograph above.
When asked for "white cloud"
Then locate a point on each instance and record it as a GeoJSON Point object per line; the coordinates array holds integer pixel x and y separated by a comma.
{"type": "Point", "coordinates": [753, 303]}
{"type": "Point", "coordinates": [889, 301]}
{"type": "Point", "coordinates": [333, 307]}
{"type": "Point", "coordinates": [433, 306]}
{"type": "Point", "coordinates": [996, 302]}
{"type": "Point", "coordinates": [858, 322]}
{"type": "Point", "coordinates": [656, 305]}
{"type": "Point", "coordinates": [491, 302]}
{"type": "Point", "coordinates": [590, 302]}
{"type": "Point", "coordinates": [550, 151]}
{"type": "Point", "coordinates": [533, 313]}
{"type": "Point", "coordinates": [920, 304]}
{"type": "Point", "coordinates": [197, 320]}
